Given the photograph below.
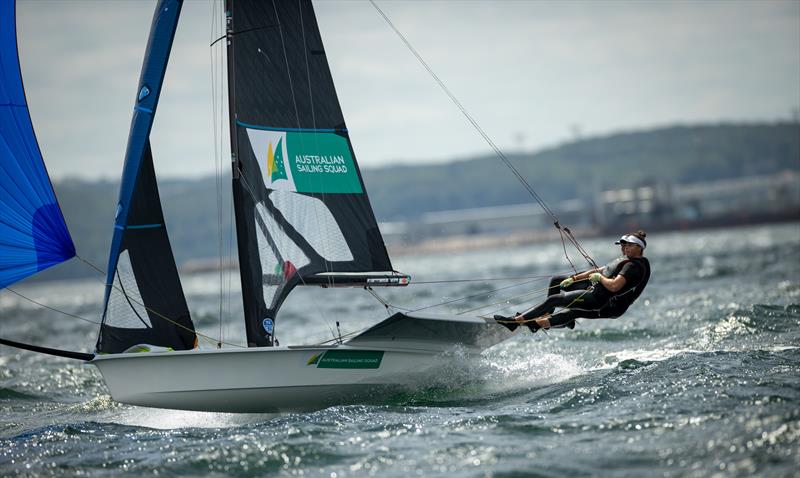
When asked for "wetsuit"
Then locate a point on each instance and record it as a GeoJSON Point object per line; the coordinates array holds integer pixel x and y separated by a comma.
{"type": "Point", "coordinates": [583, 300]}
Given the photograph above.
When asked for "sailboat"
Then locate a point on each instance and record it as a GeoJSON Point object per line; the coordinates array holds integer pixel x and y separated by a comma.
{"type": "Point", "coordinates": [303, 218]}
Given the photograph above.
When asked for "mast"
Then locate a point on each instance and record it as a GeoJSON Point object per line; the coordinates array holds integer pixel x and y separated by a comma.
{"type": "Point", "coordinates": [256, 336]}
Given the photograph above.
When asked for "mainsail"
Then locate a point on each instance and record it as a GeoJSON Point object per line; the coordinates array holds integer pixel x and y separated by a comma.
{"type": "Point", "coordinates": [302, 211]}
{"type": "Point", "coordinates": [144, 300]}
{"type": "Point", "coordinates": [33, 235]}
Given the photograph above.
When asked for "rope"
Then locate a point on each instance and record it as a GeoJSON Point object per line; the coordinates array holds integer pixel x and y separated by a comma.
{"type": "Point", "coordinates": [499, 153]}
{"type": "Point", "coordinates": [580, 249]}
{"type": "Point", "coordinates": [564, 246]}
{"type": "Point", "coordinates": [217, 99]}
{"type": "Point", "coordinates": [212, 340]}
{"type": "Point", "coordinates": [504, 301]}
{"type": "Point", "coordinates": [345, 336]}
{"type": "Point", "coordinates": [53, 309]}
{"type": "Point", "coordinates": [532, 279]}
{"type": "Point", "coordinates": [525, 321]}
{"type": "Point", "coordinates": [317, 213]}
{"type": "Point", "coordinates": [356, 332]}
{"type": "Point", "coordinates": [471, 296]}
{"type": "Point", "coordinates": [383, 302]}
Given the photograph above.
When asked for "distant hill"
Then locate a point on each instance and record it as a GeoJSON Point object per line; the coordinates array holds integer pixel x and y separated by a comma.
{"type": "Point", "coordinates": [679, 154]}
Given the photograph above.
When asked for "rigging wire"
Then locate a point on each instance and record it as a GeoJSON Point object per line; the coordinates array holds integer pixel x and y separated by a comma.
{"type": "Point", "coordinates": [223, 79]}
{"type": "Point", "coordinates": [486, 279]}
{"type": "Point", "coordinates": [505, 301]}
{"type": "Point", "coordinates": [217, 161]}
{"type": "Point", "coordinates": [547, 315]}
{"type": "Point", "coordinates": [321, 225]}
{"type": "Point", "coordinates": [481, 294]}
{"type": "Point", "coordinates": [52, 308]}
{"type": "Point", "coordinates": [383, 301]}
{"type": "Point", "coordinates": [458, 299]}
{"type": "Point", "coordinates": [157, 314]}
{"type": "Point", "coordinates": [529, 280]}
{"type": "Point", "coordinates": [226, 261]}
{"type": "Point", "coordinates": [498, 152]}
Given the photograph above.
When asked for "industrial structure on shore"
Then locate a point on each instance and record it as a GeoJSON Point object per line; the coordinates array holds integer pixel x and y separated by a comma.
{"type": "Point", "coordinates": [654, 205]}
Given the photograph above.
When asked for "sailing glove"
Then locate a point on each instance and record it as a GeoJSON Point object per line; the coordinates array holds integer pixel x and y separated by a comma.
{"type": "Point", "coordinates": [567, 282]}
{"type": "Point", "coordinates": [595, 277]}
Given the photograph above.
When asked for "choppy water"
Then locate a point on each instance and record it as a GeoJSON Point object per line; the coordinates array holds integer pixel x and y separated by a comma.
{"type": "Point", "coordinates": [701, 377]}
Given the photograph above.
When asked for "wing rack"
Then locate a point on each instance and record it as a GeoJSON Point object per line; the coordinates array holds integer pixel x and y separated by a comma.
{"type": "Point", "coordinates": [358, 279]}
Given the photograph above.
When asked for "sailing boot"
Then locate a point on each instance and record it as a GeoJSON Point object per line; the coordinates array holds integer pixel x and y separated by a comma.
{"type": "Point", "coordinates": [506, 322]}
{"type": "Point", "coordinates": [533, 326]}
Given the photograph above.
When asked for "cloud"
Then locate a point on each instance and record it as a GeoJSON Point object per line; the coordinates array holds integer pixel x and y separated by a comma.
{"type": "Point", "coordinates": [537, 68]}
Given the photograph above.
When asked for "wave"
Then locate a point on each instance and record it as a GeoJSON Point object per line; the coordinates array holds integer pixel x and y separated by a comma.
{"type": "Point", "coordinates": [744, 328]}
{"type": "Point", "coordinates": [615, 334]}
{"type": "Point", "coordinates": [505, 375]}
{"type": "Point", "coordinates": [11, 394]}
{"type": "Point", "coordinates": [643, 356]}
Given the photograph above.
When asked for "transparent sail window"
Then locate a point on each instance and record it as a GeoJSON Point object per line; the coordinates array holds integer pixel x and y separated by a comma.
{"type": "Point", "coordinates": [279, 255]}
{"type": "Point", "coordinates": [312, 219]}
{"type": "Point", "coordinates": [125, 305]}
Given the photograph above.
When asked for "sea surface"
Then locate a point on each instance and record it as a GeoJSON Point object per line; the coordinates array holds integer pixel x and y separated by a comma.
{"type": "Point", "coordinates": [700, 378]}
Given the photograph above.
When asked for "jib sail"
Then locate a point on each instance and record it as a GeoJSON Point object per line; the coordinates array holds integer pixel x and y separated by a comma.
{"type": "Point", "coordinates": [302, 211]}
{"type": "Point", "coordinates": [144, 300]}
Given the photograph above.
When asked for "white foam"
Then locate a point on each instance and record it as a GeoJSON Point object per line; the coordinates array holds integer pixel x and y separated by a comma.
{"type": "Point", "coordinates": [512, 368]}
{"type": "Point", "coordinates": [176, 419]}
{"type": "Point", "coordinates": [613, 359]}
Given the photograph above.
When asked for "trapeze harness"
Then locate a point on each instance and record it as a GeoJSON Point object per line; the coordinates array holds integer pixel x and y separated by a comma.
{"type": "Point", "coordinates": [595, 302]}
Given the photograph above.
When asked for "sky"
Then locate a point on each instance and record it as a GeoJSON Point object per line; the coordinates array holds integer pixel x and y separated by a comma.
{"type": "Point", "coordinates": [533, 74]}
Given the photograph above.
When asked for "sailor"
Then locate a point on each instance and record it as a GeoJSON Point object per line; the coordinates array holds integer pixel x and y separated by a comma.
{"type": "Point", "coordinates": [601, 293]}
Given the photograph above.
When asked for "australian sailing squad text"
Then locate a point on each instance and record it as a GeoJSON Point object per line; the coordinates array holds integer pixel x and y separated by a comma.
{"type": "Point", "coordinates": [309, 163]}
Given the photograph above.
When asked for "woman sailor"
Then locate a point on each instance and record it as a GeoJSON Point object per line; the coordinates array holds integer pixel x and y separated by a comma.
{"type": "Point", "coordinates": [602, 293]}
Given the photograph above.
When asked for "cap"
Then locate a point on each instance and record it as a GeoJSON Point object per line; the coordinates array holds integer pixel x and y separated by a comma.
{"type": "Point", "coordinates": [631, 239]}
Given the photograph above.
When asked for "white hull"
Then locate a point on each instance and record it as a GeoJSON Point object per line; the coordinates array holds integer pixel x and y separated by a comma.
{"type": "Point", "coordinates": [252, 380]}
{"type": "Point", "coordinates": [371, 366]}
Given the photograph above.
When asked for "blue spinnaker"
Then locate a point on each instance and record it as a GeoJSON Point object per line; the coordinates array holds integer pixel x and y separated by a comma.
{"type": "Point", "coordinates": [33, 235]}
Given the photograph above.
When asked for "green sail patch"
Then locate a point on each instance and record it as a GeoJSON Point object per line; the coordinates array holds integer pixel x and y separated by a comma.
{"type": "Point", "coordinates": [321, 163]}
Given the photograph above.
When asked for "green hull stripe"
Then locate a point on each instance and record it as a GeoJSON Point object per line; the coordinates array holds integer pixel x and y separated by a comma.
{"type": "Point", "coordinates": [350, 359]}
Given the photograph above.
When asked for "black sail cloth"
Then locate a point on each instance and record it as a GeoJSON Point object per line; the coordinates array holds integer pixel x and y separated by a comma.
{"type": "Point", "coordinates": [144, 301]}
{"type": "Point", "coordinates": [301, 205]}
{"type": "Point", "coordinates": [147, 303]}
